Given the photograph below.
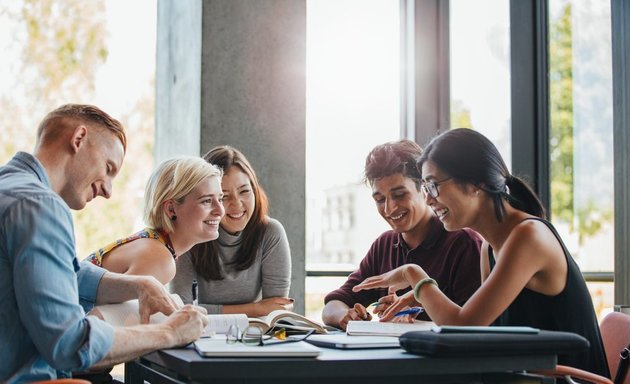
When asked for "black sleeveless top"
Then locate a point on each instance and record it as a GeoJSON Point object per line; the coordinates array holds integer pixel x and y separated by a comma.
{"type": "Point", "coordinates": [569, 311]}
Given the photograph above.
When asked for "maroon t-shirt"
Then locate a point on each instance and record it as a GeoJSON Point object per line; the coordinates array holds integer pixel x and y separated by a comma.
{"type": "Point", "coordinates": [451, 258]}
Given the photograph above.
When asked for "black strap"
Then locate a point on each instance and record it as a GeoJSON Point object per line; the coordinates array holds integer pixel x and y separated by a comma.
{"type": "Point", "coordinates": [622, 370]}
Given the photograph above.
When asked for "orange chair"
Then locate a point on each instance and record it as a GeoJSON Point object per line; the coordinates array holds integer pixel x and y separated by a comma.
{"type": "Point", "coordinates": [62, 381]}
{"type": "Point", "coordinates": [615, 330]}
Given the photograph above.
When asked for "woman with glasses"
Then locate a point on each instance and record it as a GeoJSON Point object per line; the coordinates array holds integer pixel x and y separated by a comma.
{"type": "Point", "coordinates": [528, 276]}
{"type": "Point", "coordinates": [416, 237]}
{"type": "Point", "coordinates": [248, 268]}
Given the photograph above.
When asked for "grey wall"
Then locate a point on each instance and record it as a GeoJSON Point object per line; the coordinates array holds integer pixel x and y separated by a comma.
{"type": "Point", "coordinates": [178, 79]}
{"type": "Point", "coordinates": [252, 61]}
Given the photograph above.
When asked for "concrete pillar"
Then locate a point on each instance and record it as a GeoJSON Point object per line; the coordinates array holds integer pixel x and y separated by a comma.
{"type": "Point", "coordinates": [233, 72]}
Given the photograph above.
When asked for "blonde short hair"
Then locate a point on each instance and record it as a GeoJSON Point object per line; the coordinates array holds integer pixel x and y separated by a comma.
{"type": "Point", "coordinates": [174, 179]}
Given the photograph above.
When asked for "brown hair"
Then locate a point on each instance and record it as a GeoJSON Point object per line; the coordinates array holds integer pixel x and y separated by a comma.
{"type": "Point", "coordinates": [204, 256]}
{"type": "Point", "coordinates": [393, 157]}
{"type": "Point", "coordinates": [49, 127]}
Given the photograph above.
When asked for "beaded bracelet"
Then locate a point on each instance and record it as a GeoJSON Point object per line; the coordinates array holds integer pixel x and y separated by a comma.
{"type": "Point", "coordinates": [416, 289]}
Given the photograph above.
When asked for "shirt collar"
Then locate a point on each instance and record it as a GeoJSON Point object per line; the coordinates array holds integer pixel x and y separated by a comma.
{"type": "Point", "coordinates": [27, 162]}
{"type": "Point", "coordinates": [433, 235]}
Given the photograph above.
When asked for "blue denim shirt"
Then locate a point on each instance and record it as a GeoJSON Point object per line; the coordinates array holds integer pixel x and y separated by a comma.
{"type": "Point", "coordinates": [44, 293]}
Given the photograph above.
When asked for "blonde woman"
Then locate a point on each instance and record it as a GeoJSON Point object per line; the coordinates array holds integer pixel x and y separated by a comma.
{"type": "Point", "coordinates": [182, 207]}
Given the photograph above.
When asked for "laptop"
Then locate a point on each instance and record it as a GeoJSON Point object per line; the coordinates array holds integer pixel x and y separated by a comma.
{"type": "Point", "coordinates": [343, 341]}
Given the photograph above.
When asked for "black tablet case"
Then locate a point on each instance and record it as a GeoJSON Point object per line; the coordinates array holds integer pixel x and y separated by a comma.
{"type": "Point", "coordinates": [491, 344]}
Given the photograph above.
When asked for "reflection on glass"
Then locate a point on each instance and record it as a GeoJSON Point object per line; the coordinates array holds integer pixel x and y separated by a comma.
{"type": "Point", "coordinates": [581, 146]}
{"type": "Point", "coordinates": [480, 69]}
{"type": "Point", "coordinates": [352, 104]}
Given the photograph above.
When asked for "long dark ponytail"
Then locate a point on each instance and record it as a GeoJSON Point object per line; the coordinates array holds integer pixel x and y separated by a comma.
{"type": "Point", "coordinates": [469, 157]}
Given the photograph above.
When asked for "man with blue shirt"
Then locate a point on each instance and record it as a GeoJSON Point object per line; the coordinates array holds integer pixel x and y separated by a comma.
{"type": "Point", "coordinates": [44, 291]}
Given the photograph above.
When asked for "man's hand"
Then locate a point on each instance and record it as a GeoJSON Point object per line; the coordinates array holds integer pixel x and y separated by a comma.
{"type": "Point", "coordinates": [357, 312]}
{"type": "Point", "coordinates": [153, 298]}
{"type": "Point", "coordinates": [187, 324]}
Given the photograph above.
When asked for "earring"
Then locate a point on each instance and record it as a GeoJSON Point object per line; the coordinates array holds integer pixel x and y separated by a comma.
{"type": "Point", "coordinates": [174, 217]}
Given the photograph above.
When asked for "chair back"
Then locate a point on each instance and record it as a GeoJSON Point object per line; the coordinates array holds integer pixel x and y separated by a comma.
{"type": "Point", "coordinates": [615, 330]}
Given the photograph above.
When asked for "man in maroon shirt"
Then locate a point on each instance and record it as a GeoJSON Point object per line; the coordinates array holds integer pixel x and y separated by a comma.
{"type": "Point", "coordinates": [417, 236]}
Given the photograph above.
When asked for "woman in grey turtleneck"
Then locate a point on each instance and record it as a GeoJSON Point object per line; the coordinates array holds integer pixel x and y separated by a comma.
{"type": "Point", "coordinates": [248, 268]}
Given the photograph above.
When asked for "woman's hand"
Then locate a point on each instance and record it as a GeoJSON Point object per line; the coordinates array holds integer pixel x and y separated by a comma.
{"type": "Point", "coordinates": [399, 278]}
{"type": "Point", "coordinates": [396, 305]}
{"type": "Point", "coordinates": [264, 306]}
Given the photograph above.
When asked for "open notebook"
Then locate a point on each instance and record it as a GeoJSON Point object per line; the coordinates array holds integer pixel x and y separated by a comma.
{"type": "Point", "coordinates": [217, 347]}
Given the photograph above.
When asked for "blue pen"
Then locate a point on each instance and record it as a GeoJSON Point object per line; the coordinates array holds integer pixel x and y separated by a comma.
{"type": "Point", "coordinates": [410, 311]}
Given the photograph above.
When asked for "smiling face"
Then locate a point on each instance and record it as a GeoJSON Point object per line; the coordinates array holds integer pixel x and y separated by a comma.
{"type": "Point", "coordinates": [239, 200]}
{"type": "Point", "coordinates": [91, 171]}
{"type": "Point", "coordinates": [456, 205]}
{"type": "Point", "coordinates": [400, 203]}
{"type": "Point", "coordinates": [199, 215]}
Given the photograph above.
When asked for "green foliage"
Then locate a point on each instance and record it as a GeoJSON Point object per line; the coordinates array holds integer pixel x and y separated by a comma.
{"type": "Point", "coordinates": [62, 46]}
{"type": "Point", "coordinates": [561, 108]}
{"type": "Point", "coordinates": [585, 219]}
{"type": "Point", "coordinates": [65, 45]}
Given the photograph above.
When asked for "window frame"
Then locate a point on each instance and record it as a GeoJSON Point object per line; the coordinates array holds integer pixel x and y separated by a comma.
{"type": "Point", "coordinates": [427, 89]}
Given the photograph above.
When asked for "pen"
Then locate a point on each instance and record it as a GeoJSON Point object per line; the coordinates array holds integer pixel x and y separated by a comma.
{"type": "Point", "coordinates": [410, 311]}
{"type": "Point", "coordinates": [195, 291]}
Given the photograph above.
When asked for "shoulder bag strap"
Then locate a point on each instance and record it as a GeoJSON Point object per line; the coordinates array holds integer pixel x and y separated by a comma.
{"type": "Point", "coordinates": [622, 370]}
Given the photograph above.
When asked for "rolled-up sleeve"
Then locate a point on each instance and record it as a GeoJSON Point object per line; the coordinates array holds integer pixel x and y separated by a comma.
{"type": "Point", "coordinates": [46, 285]}
{"type": "Point", "coordinates": [88, 278]}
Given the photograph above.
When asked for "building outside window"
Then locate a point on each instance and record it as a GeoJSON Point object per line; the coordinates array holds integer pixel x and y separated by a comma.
{"type": "Point", "coordinates": [352, 104]}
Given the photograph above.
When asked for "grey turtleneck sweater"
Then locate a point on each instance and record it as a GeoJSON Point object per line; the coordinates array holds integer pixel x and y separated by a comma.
{"type": "Point", "coordinates": [268, 276]}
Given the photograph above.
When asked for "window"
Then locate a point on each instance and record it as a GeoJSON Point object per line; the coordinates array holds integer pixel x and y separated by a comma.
{"type": "Point", "coordinates": [353, 104]}
{"type": "Point", "coordinates": [50, 62]}
{"type": "Point", "coordinates": [480, 69]}
{"type": "Point", "coordinates": [581, 139]}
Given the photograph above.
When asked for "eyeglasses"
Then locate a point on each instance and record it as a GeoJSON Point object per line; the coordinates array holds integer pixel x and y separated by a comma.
{"type": "Point", "coordinates": [254, 336]}
{"type": "Point", "coordinates": [430, 188]}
